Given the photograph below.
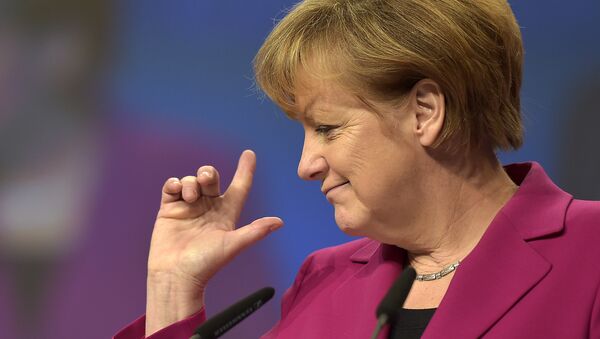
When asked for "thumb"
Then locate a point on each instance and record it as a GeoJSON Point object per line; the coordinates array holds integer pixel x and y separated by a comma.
{"type": "Point", "coordinates": [246, 236]}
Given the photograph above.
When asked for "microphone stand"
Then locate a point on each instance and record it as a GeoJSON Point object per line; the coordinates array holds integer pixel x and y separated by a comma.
{"type": "Point", "coordinates": [394, 300]}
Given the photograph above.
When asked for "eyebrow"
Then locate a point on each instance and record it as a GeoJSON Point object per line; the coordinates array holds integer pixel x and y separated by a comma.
{"type": "Point", "coordinates": [307, 114]}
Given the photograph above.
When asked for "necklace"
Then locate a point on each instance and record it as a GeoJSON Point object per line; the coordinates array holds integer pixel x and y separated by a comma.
{"type": "Point", "coordinates": [438, 275]}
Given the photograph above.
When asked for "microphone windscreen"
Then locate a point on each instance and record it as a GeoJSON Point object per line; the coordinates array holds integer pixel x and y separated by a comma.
{"type": "Point", "coordinates": [396, 295]}
{"type": "Point", "coordinates": [222, 322]}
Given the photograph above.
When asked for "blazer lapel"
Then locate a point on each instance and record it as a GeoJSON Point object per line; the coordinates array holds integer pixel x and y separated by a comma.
{"type": "Point", "coordinates": [503, 267]}
{"type": "Point", "coordinates": [487, 284]}
{"type": "Point", "coordinates": [379, 266]}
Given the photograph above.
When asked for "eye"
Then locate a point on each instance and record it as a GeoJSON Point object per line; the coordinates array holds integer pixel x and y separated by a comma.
{"type": "Point", "coordinates": [324, 129]}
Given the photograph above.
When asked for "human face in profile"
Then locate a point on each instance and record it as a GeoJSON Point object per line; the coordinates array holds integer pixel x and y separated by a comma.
{"type": "Point", "coordinates": [369, 166]}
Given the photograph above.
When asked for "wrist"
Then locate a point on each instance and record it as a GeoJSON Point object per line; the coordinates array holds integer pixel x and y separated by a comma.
{"type": "Point", "coordinates": [170, 299]}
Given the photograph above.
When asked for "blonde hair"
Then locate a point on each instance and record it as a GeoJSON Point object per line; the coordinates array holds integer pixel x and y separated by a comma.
{"type": "Point", "coordinates": [382, 48]}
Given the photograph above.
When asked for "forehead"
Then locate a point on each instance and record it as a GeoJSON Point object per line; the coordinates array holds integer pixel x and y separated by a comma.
{"type": "Point", "coordinates": [313, 94]}
{"type": "Point", "coordinates": [321, 98]}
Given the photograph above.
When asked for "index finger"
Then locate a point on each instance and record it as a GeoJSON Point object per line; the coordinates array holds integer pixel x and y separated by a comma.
{"type": "Point", "coordinates": [240, 186]}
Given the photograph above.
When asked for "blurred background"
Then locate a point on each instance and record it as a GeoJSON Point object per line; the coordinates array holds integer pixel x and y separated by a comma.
{"type": "Point", "coordinates": [101, 101]}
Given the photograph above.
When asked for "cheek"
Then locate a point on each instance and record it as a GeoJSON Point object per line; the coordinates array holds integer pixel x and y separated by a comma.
{"type": "Point", "coordinates": [376, 195]}
{"type": "Point", "coordinates": [387, 189]}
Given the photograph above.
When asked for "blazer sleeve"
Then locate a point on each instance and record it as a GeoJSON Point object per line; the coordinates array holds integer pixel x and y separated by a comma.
{"type": "Point", "coordinates": [595, 319]}
{"type": "Point", "coordinates": [182, 329]}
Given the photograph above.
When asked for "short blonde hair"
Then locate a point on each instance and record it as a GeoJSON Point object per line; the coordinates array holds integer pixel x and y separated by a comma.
{"type": "Point", "coordinates": [382, 48]}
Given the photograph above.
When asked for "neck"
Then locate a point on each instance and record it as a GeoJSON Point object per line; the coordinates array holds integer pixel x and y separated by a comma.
{"type": "Point", "coordinates": [466, 200]}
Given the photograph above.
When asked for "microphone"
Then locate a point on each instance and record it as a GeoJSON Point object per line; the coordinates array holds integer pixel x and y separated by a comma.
{"type": "Point", "coordinates": [394, 299]}
{"type": "Point", "coordinates": [224, 321]}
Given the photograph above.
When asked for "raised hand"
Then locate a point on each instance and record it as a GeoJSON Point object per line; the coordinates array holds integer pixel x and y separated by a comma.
{"type": "Point", "coordinates": [194, 236]}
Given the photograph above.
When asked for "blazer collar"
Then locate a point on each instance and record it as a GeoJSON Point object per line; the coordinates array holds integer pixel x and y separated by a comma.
{"type": "Point", "coordinates": [539, 207]}
{"type": "Point", "coordinates": [503, 267]}
{"type": "Point", "coordinates": [367, 252]}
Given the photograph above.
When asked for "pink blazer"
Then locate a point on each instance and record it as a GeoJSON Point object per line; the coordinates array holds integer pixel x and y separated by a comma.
{"type": "Point", "coordinates": [534, 274]}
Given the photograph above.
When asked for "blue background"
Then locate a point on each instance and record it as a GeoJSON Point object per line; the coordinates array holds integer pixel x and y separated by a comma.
{"type": "Point", "coordinates": [191, 63]}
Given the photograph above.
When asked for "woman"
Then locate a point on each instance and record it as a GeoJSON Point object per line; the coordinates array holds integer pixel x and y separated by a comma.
{"type": "Point", "coordinates": [404, 104]}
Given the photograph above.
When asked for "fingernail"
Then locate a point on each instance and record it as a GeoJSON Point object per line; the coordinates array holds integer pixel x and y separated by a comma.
{"type": "Point", "coordinates": [206, 174]}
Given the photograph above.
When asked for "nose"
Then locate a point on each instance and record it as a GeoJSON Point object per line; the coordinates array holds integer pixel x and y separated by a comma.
{"type": "Point", "coordinates": [312, 165]}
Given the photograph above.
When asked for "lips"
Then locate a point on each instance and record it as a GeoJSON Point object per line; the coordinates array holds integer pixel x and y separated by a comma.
{"type": "Point", "coordinates": [325, 191]}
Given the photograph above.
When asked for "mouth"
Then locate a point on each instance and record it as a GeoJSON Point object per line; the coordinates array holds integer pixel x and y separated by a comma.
{"type": "Point", "coordinates": [325, 191]}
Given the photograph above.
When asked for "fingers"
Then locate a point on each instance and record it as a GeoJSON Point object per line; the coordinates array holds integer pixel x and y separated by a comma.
{"type": "Point", "coordinates": [171, 190]}
{"type": "Point", "coordinates": [191, 188]}
{"type": "Point", "coordinates": [208, 180]}
{"type": "Point", "coordinates": [252, 233]}
{"type": "Point", "coordinates": [190, 191]}
{"type": "Point", "coordinates": [242, 179]}
{"type": "Point", "coordinates": [206, 183]}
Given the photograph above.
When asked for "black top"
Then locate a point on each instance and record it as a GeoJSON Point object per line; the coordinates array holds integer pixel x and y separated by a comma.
{"type": "Point", "coordinates": [411, 323]}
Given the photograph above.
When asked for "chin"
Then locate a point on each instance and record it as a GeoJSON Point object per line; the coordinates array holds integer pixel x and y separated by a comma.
{"type": "Point", "coordinates": [352, 232]}
{"type": "Point", "coordinates": [350, 227]}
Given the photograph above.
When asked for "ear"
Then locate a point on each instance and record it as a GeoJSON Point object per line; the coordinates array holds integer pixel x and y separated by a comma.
{"type": "Point", "coordinates": [429, 109]}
